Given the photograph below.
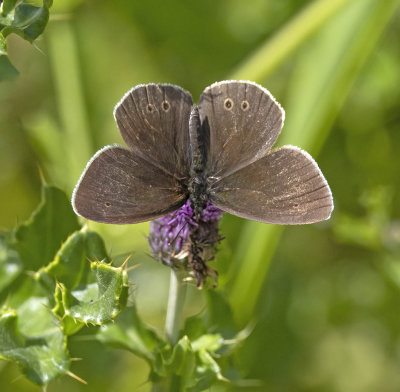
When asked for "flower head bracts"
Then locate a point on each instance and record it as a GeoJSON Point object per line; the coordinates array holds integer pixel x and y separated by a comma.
{"type": "Point", "coordinates": [180, 241]}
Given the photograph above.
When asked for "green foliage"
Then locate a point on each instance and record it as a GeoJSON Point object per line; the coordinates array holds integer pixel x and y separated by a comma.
{"type": "Point", "coordinates": [27, 21]}
{"type": "Point", "coordinates": [7, 70]}
{"type": "Point", "coordinates": [10, 265]}
{"type": "Point", "coordinates": [192, 364]}
{"type": "Point", "coordinates": [71, 283]}
{"type": "Point", "coordinates": [325, 297]}
{"type": "Point", "coordinates": [95, 302]}
{"type": "Point", "coordinates": [88, 291]}
{"type": "Point", "coordinates": [325, 72]}
{"type": "Point", "coordinates": [130, 333]}
{"type": "Point", "coordinates": [33, 338]}
{"type": "Point", "coordinates": [38, 239]}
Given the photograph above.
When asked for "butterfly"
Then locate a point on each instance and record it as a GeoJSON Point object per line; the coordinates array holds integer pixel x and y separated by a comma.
{"type": "Point", "coordinates": [219, 151]}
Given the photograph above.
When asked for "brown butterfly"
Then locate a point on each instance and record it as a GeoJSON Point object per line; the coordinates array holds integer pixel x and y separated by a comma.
{"type": "Point", "coordinates": [219, 151]}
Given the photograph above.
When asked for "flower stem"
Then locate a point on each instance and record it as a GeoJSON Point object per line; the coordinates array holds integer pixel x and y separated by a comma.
{"type": "Point", "coordinates": [176, 299]}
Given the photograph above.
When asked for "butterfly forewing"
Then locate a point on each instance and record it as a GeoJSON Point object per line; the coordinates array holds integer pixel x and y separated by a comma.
{"type": "Point", "coordinates": [118, 186]}
{"type": "Point", "coordinates": [243, 121]}
{"type": "Point", "coordinates": [284, 187]}
{"type": "Point", "coordinates": [154, 122]}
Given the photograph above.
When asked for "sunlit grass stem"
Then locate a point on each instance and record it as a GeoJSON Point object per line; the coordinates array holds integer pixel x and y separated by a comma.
{"type": "Point", "coordinates": [323, 93]}
{"type": "Point", "coordinates": [66, 72]}
{"type": "Point", "coordinates": [276, 49]}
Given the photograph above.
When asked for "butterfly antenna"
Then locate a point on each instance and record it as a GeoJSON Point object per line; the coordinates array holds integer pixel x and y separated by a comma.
{"type": "Point", "coordinates": [177, 235]}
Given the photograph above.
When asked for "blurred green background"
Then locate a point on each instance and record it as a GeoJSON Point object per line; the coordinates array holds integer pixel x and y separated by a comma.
{"type": "Point", "coordinates": [326, 296]}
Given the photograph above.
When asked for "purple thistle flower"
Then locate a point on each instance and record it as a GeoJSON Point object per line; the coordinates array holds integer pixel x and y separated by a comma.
{"type": "Point", "coordinates": [180, 241]}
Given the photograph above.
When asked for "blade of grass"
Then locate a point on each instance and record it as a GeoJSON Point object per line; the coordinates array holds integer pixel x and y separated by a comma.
{"type": "Point", "coordinates": [344, 47]}
{"type": "Point", "coordinates": [64, 61]}
{"type": "Point", "coordinates": [275, 50]}
{"type": "Point", "coordinates": [332, 63]}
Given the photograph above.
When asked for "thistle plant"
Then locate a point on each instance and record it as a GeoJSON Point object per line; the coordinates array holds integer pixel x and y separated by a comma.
{"type": "Point", "coordinates": [24, 19]}
{"type": "Point", "coordinates": [182, 242]}
{"type": "Point", "coordinates": [58, 279]}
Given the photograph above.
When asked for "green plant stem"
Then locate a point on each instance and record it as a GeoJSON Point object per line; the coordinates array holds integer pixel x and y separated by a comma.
{"type": "Point", "coordinates": [176, 299]}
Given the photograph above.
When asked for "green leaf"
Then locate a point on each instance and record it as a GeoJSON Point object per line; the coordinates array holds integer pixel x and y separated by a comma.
{"type": "Point", "coordinates": [71, 269]}
{"type": "Point", "coordinates": [191, 366]}
{"type": "Point", "coordinates": [129, 332]}
{"type": "Point", "coordinates": [219, 315]}
{"type": "Point", "coordinates": [207, 371]}
{"type": "Point", "coordinates": [8, 6]}
{"type": "Point", "coordinates": [87, 290]}
{"type": "Point", "coordinates": [181, 366]}
{"type": "Point", "coordinates": [71, 265]}
{"type": "Point", "coordinates": [38, 239]}
{"type": "Point", "coordinates": [182, 361]}
{"type": "Point", "coordinates": [7, 70]}
{"type": "Point", "coordinates": [33, 339]}
{"type": "Point", "coordinates": [98, 302]}
{"type": "Point", "coordinates": [3, 45]}
{"type": "Point", "coordinates": [23, 288]}
{"type": "Point", "coordinates": [194, 327]}
{"type": "Point", "coordinates": [70, 325]}
{"type": "Point", "coordinates": [28, 21]}
{"type": "Point", "coordinates": [209, 342]}
{"type": "Point", "coordinates": [25, 20]}
{"type": "Point", "coordinates": [10, 265]}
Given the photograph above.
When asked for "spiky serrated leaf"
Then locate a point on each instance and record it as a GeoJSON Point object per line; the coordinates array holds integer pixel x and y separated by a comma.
{"type": "Point", "coordinates": [38, 239]}
{"type": "Point", "coordinates": [32, 338]}
{"type": "Point", "coordinates": [98, 302]}
{"type": "Point", "coordinates": [70, 325]}
{"type": "Point", "coordinates": [71, 266]}
{"type": "Point", "coordinates": [87, 290]}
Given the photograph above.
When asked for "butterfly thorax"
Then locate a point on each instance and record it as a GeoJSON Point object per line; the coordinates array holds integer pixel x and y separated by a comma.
{"type": "Point", "coordinates": [199, 195]}
{"type": "Point", "coordinates": [198, 186]}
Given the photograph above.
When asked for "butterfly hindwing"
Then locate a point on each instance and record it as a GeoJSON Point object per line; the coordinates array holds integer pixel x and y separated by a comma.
{"type": "Point", "coordinates": [117, 186]}
{"type": "Point", "coordinates": [284, 187]}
